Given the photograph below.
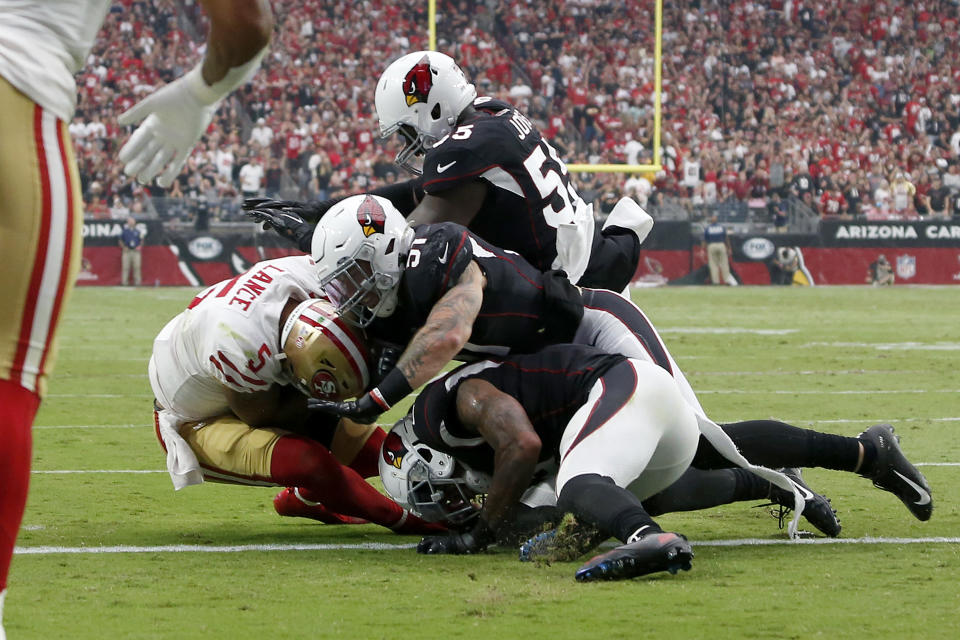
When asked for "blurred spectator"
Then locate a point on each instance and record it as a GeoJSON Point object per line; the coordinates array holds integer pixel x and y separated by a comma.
{"type": "Point", "coordinates": [880, 272]}
{"type": "Point", "coordinates": [261, 135]}
{"type": "Point", "coordinates": [638, 187]}
{"type": "Point", "coordinates": [951, 180]}
{"type": "Point", "coordinates": [938, 198]}
{"type": "Point", "coordinates": [758, 97]}
{"type": "Point", "coordinates": [902, 191]}
{"type": "Point", "coordinates": [95, 206]}
{"type": "Point", "coordinates": [778, 212]}
{"type": "Point", "coordinates": [131, 245]}
{"type": "Point", "coordinates": [118, 209]}
{"type": "Point", "coordinates": [718, 251]}
{"type": "Point", "coordinates": [251, 178]}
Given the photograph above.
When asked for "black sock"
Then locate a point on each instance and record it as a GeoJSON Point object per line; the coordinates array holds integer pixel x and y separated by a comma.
{"type": "Point", "coordinates": [776, 444]}
{"type": "Point", "coordinates": [750, 486]}
{"type": "Point", "coordinates": [700, 489]}
{"type": "Point", "coordinates": [598, 501]}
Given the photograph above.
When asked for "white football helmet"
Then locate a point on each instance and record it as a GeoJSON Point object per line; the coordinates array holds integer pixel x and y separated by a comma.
{"type": "Point", "coordinates": [431, 484]}
{"type": "Point", "coordinates": [421, 95]}
{"type": "Point", "coordinates": [325, 357]}
{"type": "Point", "coordinates": [360, 249]}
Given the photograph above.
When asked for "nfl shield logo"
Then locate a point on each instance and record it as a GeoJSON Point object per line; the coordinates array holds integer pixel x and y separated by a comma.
{"type": "Point", "coordinates": [906, 266]}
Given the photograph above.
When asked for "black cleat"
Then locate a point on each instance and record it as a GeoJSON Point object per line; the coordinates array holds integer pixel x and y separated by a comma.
{"type": "Point", "coordinates": [655, 552]}
{"type": "Point", "coordinates": [817, 508]}
{"type": "Point", "coordinates": [894, 473]}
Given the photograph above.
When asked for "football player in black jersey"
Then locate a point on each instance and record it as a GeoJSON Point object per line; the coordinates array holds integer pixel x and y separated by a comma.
{"type": "Point", "coordinates": [443, 293]}
{"type": "Point", "coordinates": [487, 167]}
{"type": "Point", "coordinates": [602, 432]}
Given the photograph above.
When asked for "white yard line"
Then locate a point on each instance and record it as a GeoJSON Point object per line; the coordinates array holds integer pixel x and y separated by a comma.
{"type": "Point", "coordinates": [380, 546]}
{"type": "Point", "coordinates": [99, 395]}
{"type": "Point", "coordinates": [710, 391]}
{"type": "Point", "coordinates": [94, 426]}
{"type": "Point", "coordinates": [67, 471]}
{"type": "Point", "coordinates": [827, 372]}
{"type": "Point", "coordinates": [811, 392]}
{"type": "Point", "coordinates": [142, 471]}
{"type": "Point", "coordinates": [894, 421]}
{"type": "Point", "coordinates": [889, 346]}
{"type": "Point", "coordinates": [728, 330]}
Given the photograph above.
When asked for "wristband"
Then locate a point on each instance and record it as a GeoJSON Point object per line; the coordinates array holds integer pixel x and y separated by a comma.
{"type": "Point", "coordinates": [392, 389]}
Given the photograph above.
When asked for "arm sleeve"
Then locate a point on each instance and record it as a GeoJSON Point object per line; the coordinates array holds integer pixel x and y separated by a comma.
{"type": "Point", "coordinates": [405, 196]}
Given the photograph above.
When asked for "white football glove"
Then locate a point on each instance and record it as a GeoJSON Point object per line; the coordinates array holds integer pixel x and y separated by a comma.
{"type": "Point", "coordinates": [174, 117]}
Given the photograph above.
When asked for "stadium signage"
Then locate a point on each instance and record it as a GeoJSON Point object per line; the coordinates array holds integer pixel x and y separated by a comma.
{"type": "Point", "coordinates": [890, 234]}
{"type": "Point", "coordinates": [205, 248]}
{"type": "Point", "coordinates": [875, 232]}
{"type": "Point", "coordinates": [106, 232]}
{"type": "Point", "coordinates": [758, 248]}
{"type": "Point", "coordinates": [102, 229]}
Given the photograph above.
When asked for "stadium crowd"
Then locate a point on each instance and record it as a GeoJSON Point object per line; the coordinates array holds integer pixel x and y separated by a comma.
{"type": "Point", "coordinates": [851, 108]}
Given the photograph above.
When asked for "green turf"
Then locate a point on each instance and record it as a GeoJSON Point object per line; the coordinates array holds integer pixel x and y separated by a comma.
{"type": "Point", "coordinates": [860, 355]}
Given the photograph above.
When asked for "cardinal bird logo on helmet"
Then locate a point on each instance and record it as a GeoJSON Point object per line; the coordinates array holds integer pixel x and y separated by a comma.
{"type": "Point", "coordinates": [418, 82]}
{"type": "Point", "coordinates": [371, 216]}
{"type": "Point", "coordinates": [393, 450]}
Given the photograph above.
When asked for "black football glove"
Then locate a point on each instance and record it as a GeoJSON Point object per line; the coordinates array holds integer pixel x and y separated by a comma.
{"type": "Point", "coordinates": [289, 225]}
{"type": "Point", "coordinates": [364, 410]}
{"type": "Point", "coordinates": [309, 211]}
{"type": "Point", "coordinates": [393, 388]}
{"type": "Point", "coordinates": [453, 543]}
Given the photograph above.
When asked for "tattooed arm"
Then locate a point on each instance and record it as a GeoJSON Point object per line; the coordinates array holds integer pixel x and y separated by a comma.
{"type": "Point", "coordinates": [503, 423]}
{"type": "Point", "coordinates": [447, 329]}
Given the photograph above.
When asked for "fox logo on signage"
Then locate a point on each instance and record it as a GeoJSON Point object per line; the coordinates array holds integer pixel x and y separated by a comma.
{"type": "Point", "coordinates": [758, 248]}
{"type": "Point", "coordinates": [205, 248]}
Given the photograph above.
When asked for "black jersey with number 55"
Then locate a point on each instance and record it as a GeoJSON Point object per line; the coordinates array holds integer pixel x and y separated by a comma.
{"type": "Point", "coordinates": [530, 189]}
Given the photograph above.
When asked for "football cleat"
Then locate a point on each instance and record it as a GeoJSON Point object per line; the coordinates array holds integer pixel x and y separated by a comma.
{"type": "Point", "coordinates": [289, 503]}
{"type": "Point", "coordinates": [817, 508]}
{"type": "Point", "coordinates": [570, 540]}
{"type": "Point", "coordinates": [894, 473]}
{"type": "Point", "coordinates": [650, 554]}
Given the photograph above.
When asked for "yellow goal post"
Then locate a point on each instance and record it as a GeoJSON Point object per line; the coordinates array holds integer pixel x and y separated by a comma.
{"type": "Point", "coordinates": [657, 85]}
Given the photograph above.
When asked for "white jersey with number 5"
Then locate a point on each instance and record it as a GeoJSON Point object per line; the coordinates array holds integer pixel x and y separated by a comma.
{"type": "Point", "coordinates": [229, 336]}
{"type": "Point", "coordinates": [43, 43]}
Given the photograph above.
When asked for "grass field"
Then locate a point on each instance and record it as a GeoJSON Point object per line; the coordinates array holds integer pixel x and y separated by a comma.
{"type": "Point", "coordinates": [109, 550]}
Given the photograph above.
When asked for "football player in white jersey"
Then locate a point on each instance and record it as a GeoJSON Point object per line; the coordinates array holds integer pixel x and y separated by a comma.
{"type": "Point", "coordinates": [232, 374]}
{"type": "Point", "coordinates": [42, 45]}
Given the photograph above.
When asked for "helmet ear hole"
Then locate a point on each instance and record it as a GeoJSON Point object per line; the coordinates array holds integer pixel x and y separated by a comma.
{"type": "Point", "coordinates": [324, 358]}
{"type": "Point", "coordinates": [435, 112]}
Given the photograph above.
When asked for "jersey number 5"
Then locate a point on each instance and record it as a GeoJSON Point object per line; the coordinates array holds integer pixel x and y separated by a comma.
{"type": "Point", "coordinates": [550, 181]}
